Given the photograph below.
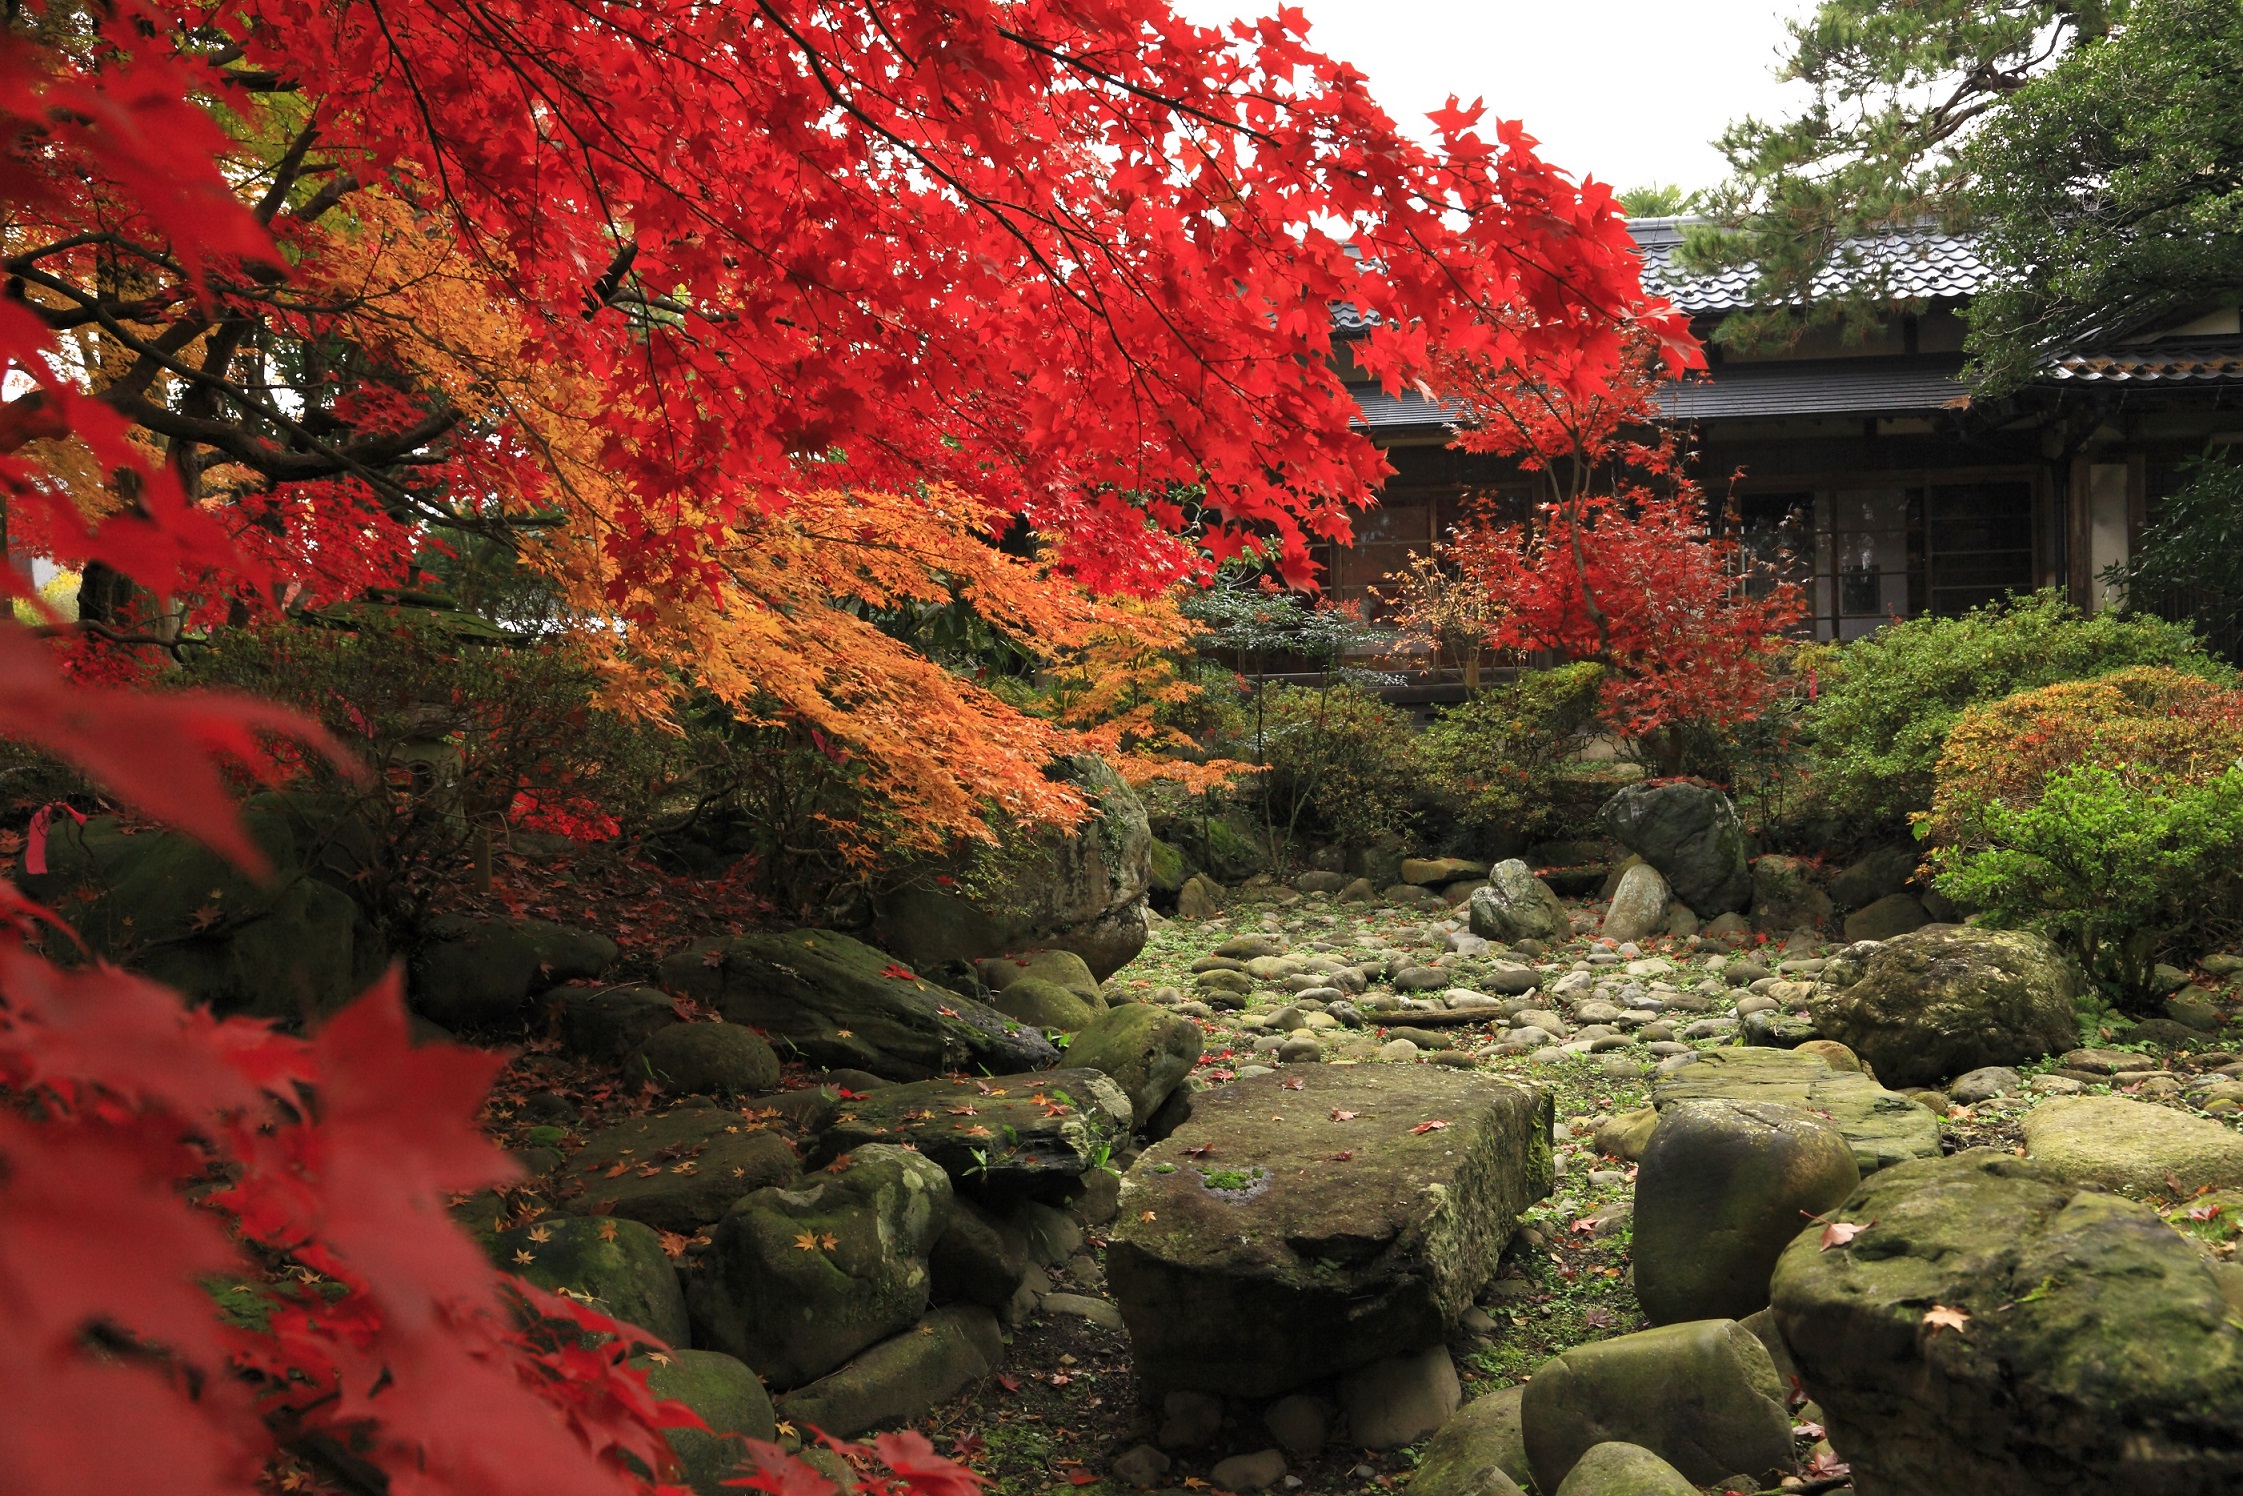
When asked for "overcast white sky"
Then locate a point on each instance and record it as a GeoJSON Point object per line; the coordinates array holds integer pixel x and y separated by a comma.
{"type": "Point", "coordinates": [1628, 91]}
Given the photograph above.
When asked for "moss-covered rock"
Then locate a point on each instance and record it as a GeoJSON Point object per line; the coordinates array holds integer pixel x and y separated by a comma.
{"type": "Point", "coordinates": [477, 973]}
{"type": "Point", "coordinates": [707, 1059]}
{"type": "Point", "coordinates": [1703, 1396]}
{"type": "Point", "coordinates": [2133, 1145]}
{"type": "Point", "coordinates": [1691, 834]}
{"type": "Point", "coordinates": [618, 1267]}
{"type": "Point", "coordinates": [902, 1377]}
{"type": "Point", "coordinates": [1517, 906]}
{"type": "Point", "coordinates": [607, 1023]}
{"type": "Point", "coordinates": [1333, 1219]}
{"type": "Point", "coordinates": [1081, 890]}
{"type": "Point", "coordinates": [1000, 1136]}
{"type": "Point", "coordinates": [800, 1280]}
{"type": "Point", "coordinates": [1060, 968]}
{"type": "Point", "coordinates": [677, 1171]}
{"type": "Point", "coordinates": [2091, 1349]}
{"type": "Point", "coordinates": [1882, 1127]}
{"type": "Point", "coordinates": [1723, 1188]}
{"type": "Point", "coordinates": [1946, 999]}
{"type": "Point", "coordinates": [1480, 1451]}
{"type": "Point", "coordinates": [1043, 1005]}
{"type": "Point", "coordinates": [164, 904]}
{"type": "Point", "coordinates": [1168, 868]}
{"type": "Point", "coordinates": [1145, 1050]}
{"type": "Point", "coordinates": [730, 1400]}
{"type": "Point", "coordinates": [1785, 896]}
{"type": "Point", "coordinates": [1624, 1470]}
{"type": "Point", "coordinates": [843, 1004]}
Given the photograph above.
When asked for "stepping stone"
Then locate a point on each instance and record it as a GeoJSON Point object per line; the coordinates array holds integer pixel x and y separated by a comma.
{"type": "Point", "coordinates": [997, 1137]}
{"type": "Point", "coordinates": [1344, 1213]}
{"type": "Point", "coordinates": [1882, 1127]}
{"type": "Point", "coordinates": [2133, 1145]}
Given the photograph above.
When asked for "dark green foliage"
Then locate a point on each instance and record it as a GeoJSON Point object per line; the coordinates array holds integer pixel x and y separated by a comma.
{"type": "Point", "coordinates": [2108, 192]}
{"type": "Point", "coordinates": [470, 742]}
{"type": "Point", "coordinates": [1881, 717]}
{"type": "Point", "coordinates": [2193, 547]}
{"type": "Point", "coordinates": [1340, 762]}
{"type": "Point", "coordinates": [1897, 91]}
{"type": "Point", "coordinates": [2108, 864]}
{"type": "Point", "coordinates": [1497, 755]}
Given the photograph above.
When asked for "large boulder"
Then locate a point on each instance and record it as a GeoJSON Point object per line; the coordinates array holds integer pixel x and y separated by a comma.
{"type": "Point", "coordinates": [1946, 999]}
{"type": "Point", "coordinates": [1081, 890]}
{"type": "Point", "coordinates": [707, 1059]}
{"type": "Point", "coordinates": [1880, 1126]}
{"type": "Point", "coordinates": [902, 1377]}
{"type": "Point", "coordinates": [1785, 897]}
{"type": "Point", "coordinates": [1722, 1189]}
{"type": "Point", "coordinates": [1876, 874]}
{"type": "Point", "coordinates": [1480, 1451]}
{"type": "Point", "coordinates": [1060, 968]}
{"type": "Point", "coordinates": [1691, 834]}
{"type": "Point", "coordinates": [617, 1266]}
{"type": "Point", "coordinates": [1991, 1330]}
{"type": "Point", "coordinates": [676, 1171]}
{"type": "Point", "coordinates": [842, 1004]}
{"type": "Point", "coordinates": [2132, 1145]}
{"type": "Point", "coordinates": [475, 973]}
{"type": "Point", "coordinates": [1639, 904]}
{"type": "Point", "coordinates": [800, 1280]}
{"type": "Point", "coordinates": [608, 1023]}
{"type": "Point", "coordinates": [1345, 1221]}
{"type": "Point", "coordinates": [1043, 1005]}
{"type": "Point", "coordinates": [1001, 1136]}
{"type": "Point", "coordinates": [730, 1400]}
{"type": "Point", "coordinates": [1882, 919]}
{"type": "Point", "coordinates": [294, 949]}
{"type": "Point", "coordinates": [1516, 906]}
{"type": "Point", "coordinates": [1145, 1050]}
{"type": "Point", "coordinates": [1703, 1396]}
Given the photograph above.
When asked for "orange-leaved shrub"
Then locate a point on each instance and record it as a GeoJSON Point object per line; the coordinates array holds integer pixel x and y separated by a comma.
{"type": "Point", "coordinates": [2148, 723]}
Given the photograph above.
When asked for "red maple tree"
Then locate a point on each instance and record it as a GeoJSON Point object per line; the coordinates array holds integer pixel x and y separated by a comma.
{"type": "Point", "coordinates": [1070, 258]}
{"type": "Point", "coordinates": [1619, 562]}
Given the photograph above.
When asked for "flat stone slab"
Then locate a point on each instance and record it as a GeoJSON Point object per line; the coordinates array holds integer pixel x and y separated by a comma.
{"type": "Point", "coordinates": [676, 1171]}
{"type": "Point", "coordinates": [2132, 1145]}
{"type": "Point", "coordinates": [1007, 1136]}
{"type": "Point", "coordinates": [1304, 1224]}
{"type": "Point", "coordinates": [1882, 1127]}
{"type": "Point", "coordinates": [842, 1004]}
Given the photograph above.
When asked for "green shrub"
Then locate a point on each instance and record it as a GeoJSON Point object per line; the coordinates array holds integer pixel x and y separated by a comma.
{"type": "Point", "coordinates": [470, 741]}
{"type": "Point", "coordinates": [1497, 755]}
{"type": "Point", "coordinates": [1341, 763]}
{"type": "Point", "coordinates": [2109, 862]}
{"type": "Point", "coordinates": [1880, 718]}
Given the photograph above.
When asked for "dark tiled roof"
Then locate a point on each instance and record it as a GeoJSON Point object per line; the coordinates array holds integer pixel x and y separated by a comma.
{"type": "Point", "coordinates": [1863, 386]}
{"type": "Point", "coordinates": [2191, 361]}
{"type": "Point", "coordinates": [1920, 264]}
{"type": "Point", "coordinates": [1880, 386]}
{"type": "Point", "coordinates": [1409, 411]}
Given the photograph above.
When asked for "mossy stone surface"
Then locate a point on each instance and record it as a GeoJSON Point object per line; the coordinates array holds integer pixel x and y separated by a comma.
{"type": "Point", "coordinates": [618, 1265]}
{"type": "Point", "coordinates": [842, 1004]}
{"type": "Point", "coordinates": [1337, 1261]}
{"type": "Point", "coordinates": [676, 1171]}
{"type": "Point", "coordinates": [2098, 1355]}
{"type": "Point", "coordinates": [1702, 1395]}
{"type": "Point", "coordinates": [707, 1059]}
{"type": "Point", "coordinates": [800, 1280]}
{"type": "Point", "coordinates": [1944, 1000]}
{"type": "Point", "coordinates": [730, 1400]}
{"type": "Point", "coordinates": [1882, 1127]}
{"type": "Point", "coordinates": [1480, 1451]}
{"type": "Point", "coordinates": [1147, 1051]}
{"type": "Point", "coordinates": [997, 1136]}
